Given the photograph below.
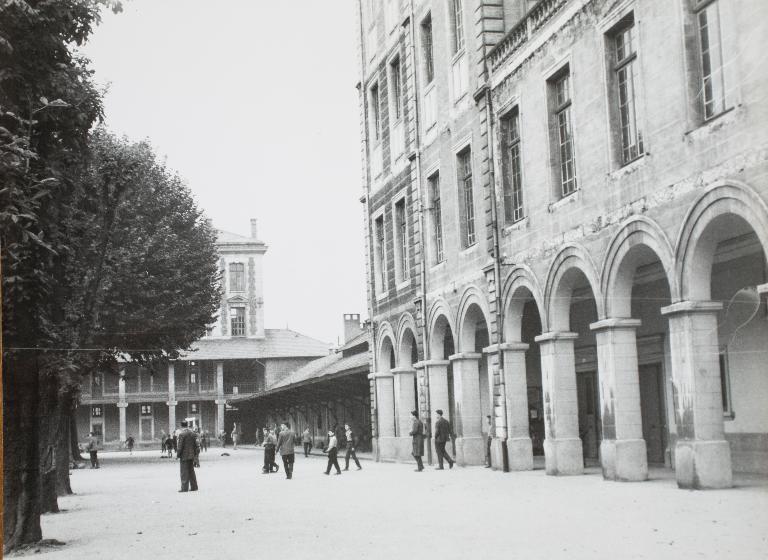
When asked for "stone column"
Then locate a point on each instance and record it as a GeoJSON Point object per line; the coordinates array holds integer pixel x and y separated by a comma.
{"type": "Point", "coordinates": [562, 446]}
{"type": "Point", "coordinates": [497, 396]}
{"type": "Point", "coordinates": [385, 415]}
{"type": "Point", "coordinates": [470, 447]}
{"type": "Point", "coordinates": [622, 451]}
{"type": "Point", "coordinates": [122, 404]}
{"type": "Point", "coordinates": [171, 397]}
{"type": "Point", "coordinates": [519, 446]}
{"type": "Point", "coordinates": [437, 376]}
{"type": "Point", "coordinates": [405, 402]}
{"type": "Point", "coordinates": [220, 400]}
{"type": "Point", "coordinates": [702, 455]}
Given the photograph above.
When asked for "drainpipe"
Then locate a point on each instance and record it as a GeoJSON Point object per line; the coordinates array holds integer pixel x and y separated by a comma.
{"type": "Point", "coordinates": [496, 252]}
{"type": "Point", "coordinates": [422, 208]}
{"type": "Point", "coordinates": [365, 201]}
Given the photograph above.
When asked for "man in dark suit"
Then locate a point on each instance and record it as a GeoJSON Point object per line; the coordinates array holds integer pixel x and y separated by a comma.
{"type": "Point", "coordinates": [417, 433]}
{"type": "Point", "coordinates": [187, 452]}
{"type": "Point", "coordinates": [286, 442]}
{"type": "Point", "coordinates": [442, 436]}
{"type": "Point", "coordinates": [351, 445]}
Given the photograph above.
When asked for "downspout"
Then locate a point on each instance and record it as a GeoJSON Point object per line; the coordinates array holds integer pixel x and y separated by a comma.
{"type": "Point", "coordinates": [496, 252]}
{"type": "Point", "coordinates": [365, 201]}
{"type": "Point", "coordinates": [422, 208]}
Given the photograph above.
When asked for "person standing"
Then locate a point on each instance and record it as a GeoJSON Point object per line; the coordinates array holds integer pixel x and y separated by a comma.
{"type": "Point", "coordinates": [417, 433]}
{"type": "Point", "coordinates": [204, 441]}
{"type": "Point", "coordinates": [188, 453]}
{"type": "Point", "coordinates": [286, 443]}
{"type": "Point", "coordinates": [163, 437]}
{"type": "Point", "coordinates": [235, 435]}
{"type": "Point", "coordinates": [129, 444]}
{"type": "Point", "coordinates": [332, 451]}
{"type": "Point", "coordinates": [169, 445]}
{"type": "Point", "coordinates": [351, 445]}
{"type": "Point", "coordinates": [93, 450]}
{"type": "Point", "coordinates": [306, 440]}
{"type": "Point", "coordinates": [442, 436]}
{"type": "Point", "coordinates": [488, 442]}
{"type": "Point", "coordinates": [269, 451]}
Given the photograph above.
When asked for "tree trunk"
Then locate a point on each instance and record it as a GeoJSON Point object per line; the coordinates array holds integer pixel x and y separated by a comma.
{"type": "Point", "coordinates": [21, 472]}
{"type": "Point", "coordinates": [63, 453]}
{"type": "Point", "coordinates": [50, 419]}
{"type": "Point", "coordinates": [74, 438]}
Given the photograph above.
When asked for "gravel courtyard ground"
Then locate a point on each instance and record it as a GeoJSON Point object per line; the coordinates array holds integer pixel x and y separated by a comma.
{"type": "Point", "coordinates": [130, 508]}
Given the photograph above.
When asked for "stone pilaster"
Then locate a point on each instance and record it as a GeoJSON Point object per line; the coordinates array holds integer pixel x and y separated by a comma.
{"type": "Point", "coordinates": [702, 455]}
{"type": "Point", "coordinates": [171, 397]}
{"type": "Point", "coordinates": [122, 403]}
{"type": "Point", "coordinates": [623, 451]}
{"type": "Point", "coordinates": [385, 411]}
{"type": "Point", "coordinates": [563, 452]}
{"type": "Point", "coordinates": [470, 446]}
{"type": "Point", "coordinates": [220, 400]}
{"type": "Point", "coordinates": [437, 375]}
{"type": "Point", "coordinates": [519, 446]}
{"type": "Point", "coordinates": [405, 402]}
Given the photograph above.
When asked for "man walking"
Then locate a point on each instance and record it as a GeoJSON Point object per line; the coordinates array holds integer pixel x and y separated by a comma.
{"type": "Point", "coordinates": [351, 445]}
{"type": "Point", "coordinates": [306, 440]}
{"type": "Point", "coordinates": [417, 432]}
{"type": "Point", "coordinates": [488, 442]}
{"type": "Point", "coordinates": [187, 452]}
{"type": "Point", "coordinates": [442, 436]}
{"type": "Point", "coordinates": [332, 451]}
{"type": "Point", "coordinates": [93, 450]}
{"type": "Point", "coordinates": [286, 442]}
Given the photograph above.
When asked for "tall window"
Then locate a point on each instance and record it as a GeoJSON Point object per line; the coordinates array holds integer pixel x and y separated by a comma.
{"type": "Point", "coordinates": [710, 58]}
{"type": "Point", "coordinates": [395, 89]}
{"type": "Point", "coordinates": [146, 410]}
{"type": "Point", "coordinates": [401, 241]}
{"type": "Point", "coordinates": [560, 93]}
{"type": "Point", "coordinates": [237, 320]}
{"type": "Point", "coordinates": [236, 277]}
{"type": "Point", "coordinates": [379, 255]}
{"type": "Point", "coordinates": [513, 183]}
{"type": "Point", "coordinates": [626, 80]}
{"type": "Point", "coordinates": [426, 46]}
{"type": "Point", "coordinates": [96, 411]}
{"type": "Point", "coordinates": [375, 112]}
{"type": "Point", "coordinates": [457, 18]}
{"type": "Point", "coordinates": [437, 217]}
{"type": "Point", "coordinates": [464, 172]}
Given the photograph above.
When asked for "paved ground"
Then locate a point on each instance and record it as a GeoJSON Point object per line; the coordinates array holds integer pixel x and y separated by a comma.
{"type": "Point", "coordinates": [130, 508]}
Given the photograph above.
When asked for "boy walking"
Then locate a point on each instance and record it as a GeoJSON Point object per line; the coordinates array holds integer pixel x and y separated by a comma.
{"type": "Point", "coordinates": [332, 451]}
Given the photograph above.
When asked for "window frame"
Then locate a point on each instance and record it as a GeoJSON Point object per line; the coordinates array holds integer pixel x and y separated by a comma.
{"type": "Point", "coordinates": [236, 316]}
{"type": "Point", "coordinates": [145, 410]}
{"type": "Point", "coordinates": [514, 212]}
{"type": "Point", "coordinates": [559, 108]}
{"type": "Point", "coordinates": [458, 37]}
{"type": "Point", "coordinates": [436, 211]}
{"type": "Point", "coordinates": [400, 238]}
{"type": "Point", "coordinates": [465, 184]}
{"type": "Point", "coordinates": [236, 277]}
{"type": "Point", "coordinates": [395, 90]}
{"type": "Point", "coordinates": [427, 40]}
{"type": "Point", "coordinates": [97, 411]}
{"type": "Point", "coordinates": [627, 118]}
{"type": "Point", "coordinates": [379, 254]}
{"type": "Point", "coordinates": [700, 7]}
{"type": "Point", "coordinates": [374, 103]}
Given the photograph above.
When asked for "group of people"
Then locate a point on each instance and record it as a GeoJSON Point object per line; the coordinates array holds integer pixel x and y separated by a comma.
{"type": "Point", "coordinates": [169, 442]}
{"type": "Point", "coordinates": [443, 435]}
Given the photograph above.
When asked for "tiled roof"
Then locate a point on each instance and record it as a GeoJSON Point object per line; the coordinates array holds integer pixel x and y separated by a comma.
{"type": "Point", "coordinates": [278, 343]}
{"type": "Point", "coordinates": [229, 237]}
{"type": "Point", "coordinates": [323, 367]}
{"type": "Point", "coordinates": [354, 341]}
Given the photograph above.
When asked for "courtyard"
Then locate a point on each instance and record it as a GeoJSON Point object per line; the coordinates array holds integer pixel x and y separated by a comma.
{"type": "Point", "coordinates": [130, 508]}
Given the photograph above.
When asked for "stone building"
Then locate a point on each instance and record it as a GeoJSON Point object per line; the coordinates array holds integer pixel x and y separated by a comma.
{"type": "Point", "coordinates": [238, 356]}
{"type": "Point", "coordinates": [574, 240]}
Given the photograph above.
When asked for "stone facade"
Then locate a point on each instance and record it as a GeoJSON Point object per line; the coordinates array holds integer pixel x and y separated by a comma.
{"type": "Point", "coordinates": [608, 308]}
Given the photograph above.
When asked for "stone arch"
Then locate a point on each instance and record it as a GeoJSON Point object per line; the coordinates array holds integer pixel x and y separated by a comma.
{"type": "Point", "coordinates": [720, 206]}
{"type": "Point", "coordinates": [407, 343]}
{"type": "Point", "coordinates": [439, 321]}
{"type": "Point", "coordinates": [563, 273]}
{"type": "Point", "coordinates": [472, 307]}
{"type": "Point", "coordinates": [385, 348]}
{"type": "Point", "coordinates": [636, 238]}
{"type": "Point", "coordinates": [520, 286]}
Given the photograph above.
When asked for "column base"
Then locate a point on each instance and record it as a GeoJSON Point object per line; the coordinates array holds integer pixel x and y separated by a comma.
{"type": "Point", "coordinates": [520, 453]}
{"type": "Point", "coordinates": [703, 464]}
{"type": "Point", "coordinates": [470, 450]}
{"type": "Point", "coordinates": [497, 454]}
{"type": "Point", "coordinates": [624, 460]}
{"type": "Point", "coordinates": [563, 456]}
{"type": "Point", "coordinates": [397, 449]}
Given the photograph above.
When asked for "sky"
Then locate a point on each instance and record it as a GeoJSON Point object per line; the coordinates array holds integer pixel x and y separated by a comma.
{"type": "Point", "coordinates": [254, 104]}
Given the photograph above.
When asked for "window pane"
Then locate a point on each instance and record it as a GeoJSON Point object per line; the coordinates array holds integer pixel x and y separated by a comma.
{"type": "Point", "coordinates": [458, 27]}
{"type": "Point", "coordinates": [713, 84]}
{"type": "Point", "coordinates": [437, 217]}
{"type": "Point", "coordinates": [512, 180]}
{"type": "Point", "coordinates": [426, 44]}
{"type": "Point", "coordinates": [468, 209]}
{"type": "Point", "coordinates": [395, 89]}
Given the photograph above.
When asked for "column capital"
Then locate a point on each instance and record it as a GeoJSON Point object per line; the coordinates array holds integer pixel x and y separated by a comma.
{"type": "Point", "coordinates": [514, 346]}
{"type": "Point", "coordinates": [615, 323]}
{"type": "Point", "coordinates": [171, 403]}
{"type": "Point", "coordinates": [762, 288]}
{"type": "Point", "coordinates": [431, 363]}
{"type": "Point", "coordinates": [687, 307]}
{"type": "Point", "coordinates": [403, 370]}
{"type": "Point", "coordinates": [122, 404]}
{"type": "Point", "coordinates": [551, 336]}
{"type": "Point", "coordinates": [379, 374]}
{"type": "Point", "coordinates": [465, 356]}
{"type": "Point", "coordinates": [419, 365]}
{"type": "Point", "coordinates": [220, 401]}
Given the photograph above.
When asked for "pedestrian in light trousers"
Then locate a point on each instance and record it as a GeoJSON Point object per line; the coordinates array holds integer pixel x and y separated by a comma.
{"type": "Point", "coordinates": [286, 442]}
{"type": "Point", "coordinates": [351, 445]}
{"type": "Point", "coordinates": [306, 440]}
{"type": "Point", "coordinates": [332, 451]}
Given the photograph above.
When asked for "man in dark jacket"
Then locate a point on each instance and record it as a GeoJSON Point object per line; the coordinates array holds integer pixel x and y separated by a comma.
{"type": "Point", "coordinates": [442, 436]}
{"type": "Point", "coordinates": [93, 450]}
{"type": "Point", "coordinates": [286, 442]}
{"type": "Point", "coordinates": [417, 432]}
{"type": "Point", "coordinates": [187, 452]}
{"type": "Point", "coordinates": [351, 445]}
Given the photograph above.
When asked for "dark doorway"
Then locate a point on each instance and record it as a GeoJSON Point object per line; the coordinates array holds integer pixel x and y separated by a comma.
{"type": "Point", "coordinates": [652, 409]}
{"type": "Point", "coordinates": [589, 414]}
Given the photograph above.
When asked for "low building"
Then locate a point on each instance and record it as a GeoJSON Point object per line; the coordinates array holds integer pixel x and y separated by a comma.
{"type": "Point", "coordinates": [237, 357]}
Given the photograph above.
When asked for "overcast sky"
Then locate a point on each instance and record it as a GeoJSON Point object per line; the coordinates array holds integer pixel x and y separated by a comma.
{"type": "Point", "coordinates": [253, 102]}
